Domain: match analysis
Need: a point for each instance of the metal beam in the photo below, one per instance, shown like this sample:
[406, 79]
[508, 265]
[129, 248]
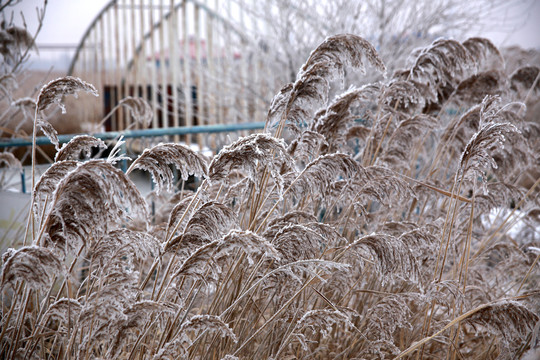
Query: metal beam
[181, 130]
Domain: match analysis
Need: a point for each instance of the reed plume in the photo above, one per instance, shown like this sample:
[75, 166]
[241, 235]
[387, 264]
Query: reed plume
[157, 159]
[36, 266]
[10, 160]
[393, 221]
[80, 143]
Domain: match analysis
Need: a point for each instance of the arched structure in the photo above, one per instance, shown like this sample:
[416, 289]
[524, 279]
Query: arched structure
[188, 58]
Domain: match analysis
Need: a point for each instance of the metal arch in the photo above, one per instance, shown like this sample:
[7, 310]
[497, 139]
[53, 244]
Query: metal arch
[155, 26]
[158, 24]
[217, 95]
[87, 33]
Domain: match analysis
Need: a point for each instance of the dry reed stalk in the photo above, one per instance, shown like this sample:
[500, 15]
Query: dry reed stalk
[50, 94]
[289, 247]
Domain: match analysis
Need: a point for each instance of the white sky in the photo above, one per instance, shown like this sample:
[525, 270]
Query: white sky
[527, 35]
[67, 20]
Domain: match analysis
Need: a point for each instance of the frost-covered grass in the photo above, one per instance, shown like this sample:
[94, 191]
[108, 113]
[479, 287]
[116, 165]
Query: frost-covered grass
[321, 238]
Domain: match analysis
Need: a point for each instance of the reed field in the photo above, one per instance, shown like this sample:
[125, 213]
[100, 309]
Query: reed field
[392, 220]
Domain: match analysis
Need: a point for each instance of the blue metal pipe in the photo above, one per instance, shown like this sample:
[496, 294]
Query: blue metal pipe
[182, 130]
[23, 181]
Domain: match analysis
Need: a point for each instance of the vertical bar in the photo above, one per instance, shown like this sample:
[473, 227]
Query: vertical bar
[212, 111]
[123, 64]
[23, 181]
[111, 69]
[117, 74]
[187, 71]
[243, 69]
[256, 67]
[226, 58]
[219, 88]
[173, 63]
[198, 80]
[103, 73]
[134, 83]
[142, 55]
[84, 72]
[96, 74]
[210, 106]
[162, 65]
[123, 162]
[153, 70]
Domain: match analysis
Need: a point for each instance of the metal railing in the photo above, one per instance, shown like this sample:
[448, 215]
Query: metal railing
[130, 134]
[190, 59]
[110, 135]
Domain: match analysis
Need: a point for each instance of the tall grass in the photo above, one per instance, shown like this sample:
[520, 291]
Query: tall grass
[391, 221]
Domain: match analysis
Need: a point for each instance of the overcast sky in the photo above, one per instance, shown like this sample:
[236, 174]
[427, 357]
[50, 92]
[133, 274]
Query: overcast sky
[66, 21]
[526, 35]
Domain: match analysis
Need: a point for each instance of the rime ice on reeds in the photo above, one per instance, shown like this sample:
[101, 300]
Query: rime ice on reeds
[80, 143]
[207, 224]
[140, 110]
[9, 160]
[12, 39]
[36, 266]
[157, 160]
[207, 261]
[318, 175]
[250, 154]
[296, 103]
[333, 121]
[90, 200]
[53, 93]
[290, 247]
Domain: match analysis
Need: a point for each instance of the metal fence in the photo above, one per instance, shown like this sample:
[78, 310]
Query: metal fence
[189, 59]
[9, 175]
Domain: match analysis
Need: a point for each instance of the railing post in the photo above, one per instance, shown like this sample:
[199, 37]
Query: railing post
[123, 163]
[23, 181]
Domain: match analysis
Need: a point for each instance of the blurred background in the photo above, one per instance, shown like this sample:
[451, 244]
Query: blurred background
[211, 62]
[219, 62]
[506, 23]
[232, 56]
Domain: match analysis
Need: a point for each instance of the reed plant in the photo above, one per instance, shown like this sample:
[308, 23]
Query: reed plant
[394, 220]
